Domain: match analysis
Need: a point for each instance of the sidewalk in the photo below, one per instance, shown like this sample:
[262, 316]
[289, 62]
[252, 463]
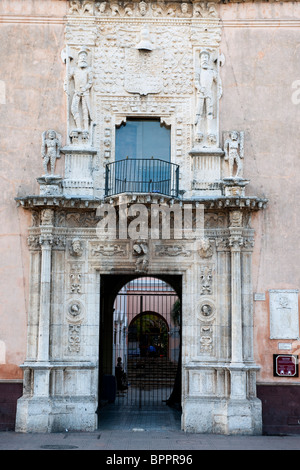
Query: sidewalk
[155, 441]
[132, 429]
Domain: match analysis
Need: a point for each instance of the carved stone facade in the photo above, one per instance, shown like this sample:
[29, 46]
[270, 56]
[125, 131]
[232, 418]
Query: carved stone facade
[142, 60]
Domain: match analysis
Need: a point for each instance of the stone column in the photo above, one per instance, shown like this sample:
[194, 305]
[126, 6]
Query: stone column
[41, 374]
[44, 315]
[238, 375]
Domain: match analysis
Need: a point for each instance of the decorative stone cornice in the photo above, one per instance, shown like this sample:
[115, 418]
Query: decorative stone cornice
[251, 203]
[144, 9]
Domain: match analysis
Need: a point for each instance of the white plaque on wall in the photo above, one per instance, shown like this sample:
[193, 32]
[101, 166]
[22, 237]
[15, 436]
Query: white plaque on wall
[284, 317]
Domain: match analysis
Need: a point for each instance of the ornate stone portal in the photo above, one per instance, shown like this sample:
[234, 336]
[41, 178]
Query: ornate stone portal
[140, 60]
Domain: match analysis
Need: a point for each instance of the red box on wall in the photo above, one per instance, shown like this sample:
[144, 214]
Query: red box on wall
[285, 365]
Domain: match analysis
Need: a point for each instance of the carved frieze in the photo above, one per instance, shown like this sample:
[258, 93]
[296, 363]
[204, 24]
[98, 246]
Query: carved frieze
[206, 338]
[172, 250]
[130, 9]
[118, 249]
[74, 318]
[81, 219]
[206, 280]
[33, 242]
[81, 8]
[206, 319]
[75, 278]
[59, 242]
[74, 338]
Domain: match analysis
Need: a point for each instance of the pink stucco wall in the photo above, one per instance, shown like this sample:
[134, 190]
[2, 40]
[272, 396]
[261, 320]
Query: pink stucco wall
[262, 63]
[32, 100]
[261, 47]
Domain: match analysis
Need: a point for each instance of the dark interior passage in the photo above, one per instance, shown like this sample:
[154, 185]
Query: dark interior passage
[140, 343]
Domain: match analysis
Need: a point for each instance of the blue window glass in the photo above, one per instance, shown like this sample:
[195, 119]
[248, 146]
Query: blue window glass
[143, 139]
[147, 146]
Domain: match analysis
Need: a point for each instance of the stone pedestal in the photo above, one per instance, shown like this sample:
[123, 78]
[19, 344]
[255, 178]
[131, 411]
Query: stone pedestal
[50, 185]
[220, 405]
[50, 404]
[235, 186]
[79, 166]
[206, 166]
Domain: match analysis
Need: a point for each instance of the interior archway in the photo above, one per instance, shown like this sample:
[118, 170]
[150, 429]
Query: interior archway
[148, 335]
[140, 324]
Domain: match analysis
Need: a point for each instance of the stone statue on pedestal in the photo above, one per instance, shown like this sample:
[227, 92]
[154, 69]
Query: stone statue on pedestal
[83, 82]
[234, 153]
[209, 91]
[51, 145]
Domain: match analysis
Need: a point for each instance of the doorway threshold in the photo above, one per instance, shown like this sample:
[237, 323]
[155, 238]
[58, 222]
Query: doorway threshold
[133, 418]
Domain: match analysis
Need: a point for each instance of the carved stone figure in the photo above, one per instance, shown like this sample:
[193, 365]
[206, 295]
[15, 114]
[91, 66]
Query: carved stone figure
[47, 216]
[51, 145]
[75, 309]
[76, 248]
[234, 153]
[143, 8]
[145, 43]
[206, 310]
[140, 250]
[83, 82]
[101, 7]
[205, 80]
[205, 250]
[184, 9]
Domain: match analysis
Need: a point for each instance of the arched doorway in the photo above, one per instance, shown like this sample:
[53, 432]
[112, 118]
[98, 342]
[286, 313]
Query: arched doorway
[148, 335]
[140, 323]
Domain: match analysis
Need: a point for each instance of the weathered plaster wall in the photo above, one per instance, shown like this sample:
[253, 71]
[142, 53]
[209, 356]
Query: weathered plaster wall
[32, 100]
[261, 46]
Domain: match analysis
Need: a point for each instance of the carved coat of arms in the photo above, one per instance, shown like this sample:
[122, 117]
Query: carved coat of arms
[143, 71]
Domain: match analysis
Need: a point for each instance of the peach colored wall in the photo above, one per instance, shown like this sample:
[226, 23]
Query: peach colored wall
[32, 37]
[261, 46]
[262, 61]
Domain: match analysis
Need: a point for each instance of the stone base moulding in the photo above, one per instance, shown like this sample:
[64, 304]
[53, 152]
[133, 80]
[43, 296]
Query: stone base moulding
[223, 416]
[221, 399]
[57, 397]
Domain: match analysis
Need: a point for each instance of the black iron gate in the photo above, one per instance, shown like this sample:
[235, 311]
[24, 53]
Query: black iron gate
[146, 342]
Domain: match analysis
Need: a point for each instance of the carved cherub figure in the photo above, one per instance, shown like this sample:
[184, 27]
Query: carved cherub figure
[101, 7]
[184, 10]
[143, 8]
[234, 153]
[51, 145]
[145, 40]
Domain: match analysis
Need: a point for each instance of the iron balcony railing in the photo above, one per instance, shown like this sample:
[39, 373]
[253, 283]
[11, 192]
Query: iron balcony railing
[141, 175]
